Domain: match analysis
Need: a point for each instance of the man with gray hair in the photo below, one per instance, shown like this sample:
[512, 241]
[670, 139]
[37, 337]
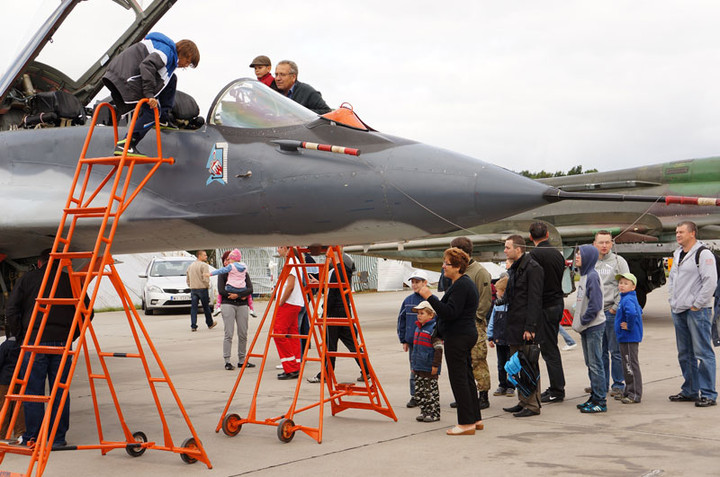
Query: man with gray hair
[691, 283]
[286, 73]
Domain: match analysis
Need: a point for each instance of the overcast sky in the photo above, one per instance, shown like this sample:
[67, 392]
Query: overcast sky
[525, 84]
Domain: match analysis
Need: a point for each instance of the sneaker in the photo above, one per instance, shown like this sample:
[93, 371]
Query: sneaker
[679, 397]
[253, 314]
[548, 398]
[592, 408]
[290, 375]
[214, 324]
[616, 391]
[314, 379]
[431, 418]
[279, 366]
[705, 402]
[168, 124]
[510, 392]
[248, 365]
[420, 418]
[500, 391]
[583, 404]
[131, 152]
[627, 400]
[411, 403]
[229, 366]
[217, 312]
[569, 347]
[193, 329]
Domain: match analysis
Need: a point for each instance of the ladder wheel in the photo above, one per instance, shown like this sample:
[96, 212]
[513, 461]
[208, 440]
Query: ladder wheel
[191, 444]
[231, 425]
[284, 430]
[135, 451]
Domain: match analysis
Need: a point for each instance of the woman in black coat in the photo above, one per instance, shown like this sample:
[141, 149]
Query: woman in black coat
[456, 325]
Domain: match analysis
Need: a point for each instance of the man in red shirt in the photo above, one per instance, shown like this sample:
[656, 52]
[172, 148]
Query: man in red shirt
[263, 66]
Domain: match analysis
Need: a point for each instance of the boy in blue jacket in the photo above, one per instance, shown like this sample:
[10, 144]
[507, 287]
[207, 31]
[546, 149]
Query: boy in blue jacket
[406, 324]
[425, 360]
[589, 321]
[629, 331]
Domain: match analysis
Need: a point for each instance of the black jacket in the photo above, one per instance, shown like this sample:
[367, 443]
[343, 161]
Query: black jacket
[524, 298]
[309, 97]
[22, 300]
[456, 310]
[553, 265]
[222, 281]
[9, 352]
[335, 304]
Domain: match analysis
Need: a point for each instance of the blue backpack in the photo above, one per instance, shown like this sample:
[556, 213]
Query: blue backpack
[523, 371]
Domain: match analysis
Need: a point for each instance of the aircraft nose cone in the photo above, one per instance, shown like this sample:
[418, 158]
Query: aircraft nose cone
[452, 191]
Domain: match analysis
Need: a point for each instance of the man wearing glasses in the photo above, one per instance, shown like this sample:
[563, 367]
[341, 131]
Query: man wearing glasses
[302, 93]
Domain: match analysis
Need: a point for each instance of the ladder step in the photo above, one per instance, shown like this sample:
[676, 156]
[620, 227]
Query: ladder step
[85, 210]
[27, 398]
[115, 160]
[72, 255]
[58, 301]
[7, 447]
[47, 349]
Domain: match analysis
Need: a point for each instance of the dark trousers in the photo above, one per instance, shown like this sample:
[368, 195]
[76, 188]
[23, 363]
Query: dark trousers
[303, 328]
[146, 120]
[340, 333]
[503, 354]
[200, 294]
[458, 350]
[45, 369]
[548, 340]
[631, 371]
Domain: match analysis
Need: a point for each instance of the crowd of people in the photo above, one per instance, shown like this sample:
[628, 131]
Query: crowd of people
[522, 314]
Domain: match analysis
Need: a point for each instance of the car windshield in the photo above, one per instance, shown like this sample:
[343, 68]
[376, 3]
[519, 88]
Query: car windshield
[247, 103]
[175, 268]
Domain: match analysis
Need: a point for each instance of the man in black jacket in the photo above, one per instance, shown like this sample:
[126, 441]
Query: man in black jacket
[524, 298]
[553, 265]
[57, 329]
[286, 73]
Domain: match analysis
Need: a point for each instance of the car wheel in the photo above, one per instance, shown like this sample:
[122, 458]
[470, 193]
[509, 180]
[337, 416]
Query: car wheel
[146, 309]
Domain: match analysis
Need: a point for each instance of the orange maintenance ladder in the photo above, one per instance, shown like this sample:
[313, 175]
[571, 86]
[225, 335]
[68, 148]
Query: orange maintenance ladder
[367, 395]
[91, 203]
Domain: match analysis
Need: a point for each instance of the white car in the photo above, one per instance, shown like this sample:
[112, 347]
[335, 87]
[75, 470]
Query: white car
[165, 287]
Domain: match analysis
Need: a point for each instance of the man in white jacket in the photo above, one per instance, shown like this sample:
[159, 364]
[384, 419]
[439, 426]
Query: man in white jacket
[692, 281]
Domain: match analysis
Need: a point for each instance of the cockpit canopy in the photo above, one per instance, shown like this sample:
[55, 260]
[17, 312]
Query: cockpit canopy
[247, 103]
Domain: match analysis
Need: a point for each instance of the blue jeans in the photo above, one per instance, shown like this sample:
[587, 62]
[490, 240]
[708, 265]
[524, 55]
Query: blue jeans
[566, 336]
[592, 351]
[45, 366]
[612, 367]
[412, 375]
[695, 352]
[202, 295]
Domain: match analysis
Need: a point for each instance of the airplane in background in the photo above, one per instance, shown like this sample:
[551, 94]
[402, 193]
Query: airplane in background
[644, 233]
[261, 171]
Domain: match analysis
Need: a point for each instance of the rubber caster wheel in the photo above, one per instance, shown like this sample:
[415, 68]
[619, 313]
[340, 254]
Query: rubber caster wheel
[135, 451]
[191, 444]
[231, 425]
[284, 430]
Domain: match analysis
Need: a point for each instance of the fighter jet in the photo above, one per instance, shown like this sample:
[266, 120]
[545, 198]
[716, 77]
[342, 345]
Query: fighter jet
[261, 171]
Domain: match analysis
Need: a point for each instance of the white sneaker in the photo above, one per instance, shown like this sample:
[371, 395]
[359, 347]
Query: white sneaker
[279, 366]
[569, 347]
[253, 314]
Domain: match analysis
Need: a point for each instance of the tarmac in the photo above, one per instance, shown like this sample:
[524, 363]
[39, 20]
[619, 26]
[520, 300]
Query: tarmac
[653, 438]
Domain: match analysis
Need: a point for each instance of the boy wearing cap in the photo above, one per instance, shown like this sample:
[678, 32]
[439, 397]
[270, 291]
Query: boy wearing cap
[629, 331]
[406, 324]
[263, 66]
[425, 359]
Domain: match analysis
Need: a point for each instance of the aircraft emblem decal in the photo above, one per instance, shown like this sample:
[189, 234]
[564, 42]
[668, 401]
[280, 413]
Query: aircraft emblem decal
[217, 163]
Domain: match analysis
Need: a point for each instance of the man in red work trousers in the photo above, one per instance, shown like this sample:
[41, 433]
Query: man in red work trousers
[290, 301]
